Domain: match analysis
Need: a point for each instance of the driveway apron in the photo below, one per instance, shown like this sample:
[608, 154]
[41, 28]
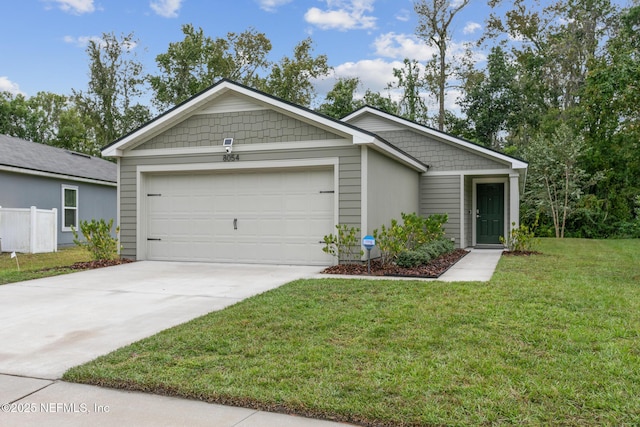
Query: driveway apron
[50, 325]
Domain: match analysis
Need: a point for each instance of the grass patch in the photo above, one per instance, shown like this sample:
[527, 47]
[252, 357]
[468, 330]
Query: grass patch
[552, 339]
[32, 265]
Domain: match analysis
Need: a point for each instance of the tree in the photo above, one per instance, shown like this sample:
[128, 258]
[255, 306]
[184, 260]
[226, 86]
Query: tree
[340, 100]
[491, 99]
[196, 62]
[411, 82]
[116, 80]
[13, 114]
[45, 118]
[381, 102]
[557, 44]
[611, 122]
[435, 17]
[291, 78]
[556, 180]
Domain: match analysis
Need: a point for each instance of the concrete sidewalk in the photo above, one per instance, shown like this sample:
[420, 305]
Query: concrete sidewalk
[36, 402]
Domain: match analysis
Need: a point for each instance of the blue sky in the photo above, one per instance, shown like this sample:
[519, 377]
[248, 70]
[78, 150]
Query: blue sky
[44, 41]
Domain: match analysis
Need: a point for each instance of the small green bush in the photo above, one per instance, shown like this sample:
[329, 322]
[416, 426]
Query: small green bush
[414, 258]
[391, 241]
[342, 244]
[414, 232]
[520, 239]
[425, 253]
[98, 239]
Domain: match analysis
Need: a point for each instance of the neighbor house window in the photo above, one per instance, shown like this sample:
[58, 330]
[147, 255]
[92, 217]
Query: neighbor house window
[69, 207]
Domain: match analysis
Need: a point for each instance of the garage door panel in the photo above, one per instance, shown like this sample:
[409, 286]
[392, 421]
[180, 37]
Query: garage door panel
[281, 216]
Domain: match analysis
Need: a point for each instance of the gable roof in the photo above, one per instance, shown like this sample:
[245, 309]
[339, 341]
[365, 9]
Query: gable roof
[22, 156]
[438, 135]
[204, 99]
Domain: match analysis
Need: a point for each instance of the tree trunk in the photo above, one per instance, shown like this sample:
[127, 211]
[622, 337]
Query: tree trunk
[554, 213]
[442, 83]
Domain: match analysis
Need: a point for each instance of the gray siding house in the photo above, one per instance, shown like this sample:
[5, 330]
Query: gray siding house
[236, 175]
[80, 187]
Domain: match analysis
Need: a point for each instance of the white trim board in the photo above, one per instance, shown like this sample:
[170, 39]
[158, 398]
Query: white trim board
[469, 172]
[63, 207]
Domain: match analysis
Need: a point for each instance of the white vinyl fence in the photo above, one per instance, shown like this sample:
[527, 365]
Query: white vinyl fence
[28, 230]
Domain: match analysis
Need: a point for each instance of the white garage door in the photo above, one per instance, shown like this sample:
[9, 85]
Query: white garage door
[243, 217]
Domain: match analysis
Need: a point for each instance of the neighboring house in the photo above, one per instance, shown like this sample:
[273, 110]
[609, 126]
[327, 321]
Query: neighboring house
[79, 186]
[291, 176]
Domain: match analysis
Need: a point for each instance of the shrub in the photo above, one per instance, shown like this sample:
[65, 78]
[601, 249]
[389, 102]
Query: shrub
[342, 245]
[391, 241]
[98, 239]
[521, 239]
[414, 258]
[412, 234]
[425, 253]
[419, 230]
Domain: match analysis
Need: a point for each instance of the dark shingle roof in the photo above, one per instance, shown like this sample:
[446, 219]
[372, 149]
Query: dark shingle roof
[29, 155]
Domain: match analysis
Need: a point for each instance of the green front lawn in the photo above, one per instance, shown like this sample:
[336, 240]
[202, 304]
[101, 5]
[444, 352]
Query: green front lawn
[553, 339]
[35, 266]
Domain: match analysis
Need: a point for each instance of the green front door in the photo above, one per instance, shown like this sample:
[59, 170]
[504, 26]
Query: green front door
[490, 213]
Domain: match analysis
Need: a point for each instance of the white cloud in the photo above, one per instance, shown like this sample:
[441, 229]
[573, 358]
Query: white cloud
[374, 74]
[403, 15]
[7, 85]
[342, 15]
[82, 41]
[400, 46]
[272, 5]
[166, 8]
[471, 28]
[77, 7]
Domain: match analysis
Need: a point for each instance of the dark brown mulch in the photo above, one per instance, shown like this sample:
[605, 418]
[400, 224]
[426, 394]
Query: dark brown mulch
[521, 253]
[432, 270]
[88, 265]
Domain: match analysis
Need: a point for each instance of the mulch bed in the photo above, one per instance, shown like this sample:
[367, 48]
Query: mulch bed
[99, 264]
[433, 270]
[90, 265]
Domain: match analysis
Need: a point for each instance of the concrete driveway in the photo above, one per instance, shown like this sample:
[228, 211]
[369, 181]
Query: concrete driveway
[50, 325]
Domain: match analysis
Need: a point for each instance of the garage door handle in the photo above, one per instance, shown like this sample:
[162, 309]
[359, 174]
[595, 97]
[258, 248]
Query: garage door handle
[235, 223]
[155, 240]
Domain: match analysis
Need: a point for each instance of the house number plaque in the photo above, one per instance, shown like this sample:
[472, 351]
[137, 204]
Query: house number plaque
[231, 158]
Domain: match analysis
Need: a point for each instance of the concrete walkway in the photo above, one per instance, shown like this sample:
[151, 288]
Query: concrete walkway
[29, 399]
[477, 266]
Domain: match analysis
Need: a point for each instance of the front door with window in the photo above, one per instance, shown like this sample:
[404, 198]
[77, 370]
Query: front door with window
[490, 213]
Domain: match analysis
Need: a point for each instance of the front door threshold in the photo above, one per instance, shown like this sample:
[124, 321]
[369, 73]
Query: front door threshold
[488, 246]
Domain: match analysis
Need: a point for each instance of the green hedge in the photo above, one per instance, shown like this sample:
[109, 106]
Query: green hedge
[425, 253]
